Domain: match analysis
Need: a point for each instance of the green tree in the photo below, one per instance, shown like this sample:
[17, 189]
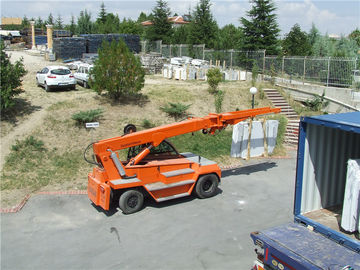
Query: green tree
[261, 30]
[84, 23]
[229, 37]
[180, 34]
[25, 23]
[50, 19]
[203, 27]
[117, 71]
[111, 24]
[355, 35]
[10, 79]
[128, 26]
[59, 22]
[72, 26]
[296, 42]
[39, 23]
[161, 28]
[102, 13]
[142, 17]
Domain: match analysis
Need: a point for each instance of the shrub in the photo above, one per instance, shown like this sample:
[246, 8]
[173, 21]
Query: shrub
[175, 110]
[219, 97]
[254, 74]
[10, 79]
[83, 117]
[147, 124]
[317, 103]
[214, 77]
[117, 71]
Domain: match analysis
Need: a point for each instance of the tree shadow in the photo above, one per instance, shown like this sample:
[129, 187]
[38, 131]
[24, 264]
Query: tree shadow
[21, 108]
[137, 99]
[249, 169]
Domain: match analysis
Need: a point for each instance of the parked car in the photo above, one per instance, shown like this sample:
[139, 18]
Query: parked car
[82, 74]
[55, 77]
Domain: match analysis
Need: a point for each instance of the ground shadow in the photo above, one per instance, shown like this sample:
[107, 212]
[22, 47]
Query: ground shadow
[21, 108]
[137, 99]
[150, 202]
[264, 166]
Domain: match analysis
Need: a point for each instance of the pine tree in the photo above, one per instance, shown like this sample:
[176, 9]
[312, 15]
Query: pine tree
[262, 30]
[84, 23]
[355, 35]
[59, 22]
[117, 71]
[25, 23]
[72, 27]
[102, 14]
[203, 27]
[161, 28]
[39, 23]
[50, 19]
[296, 42]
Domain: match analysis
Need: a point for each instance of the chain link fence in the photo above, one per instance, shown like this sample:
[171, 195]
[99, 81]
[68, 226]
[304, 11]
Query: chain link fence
[328, 71]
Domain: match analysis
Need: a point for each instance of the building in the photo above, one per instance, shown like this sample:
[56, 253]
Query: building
[10, 21]
[176, 21]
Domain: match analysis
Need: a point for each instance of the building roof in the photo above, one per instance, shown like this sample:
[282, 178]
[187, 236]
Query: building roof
[174, 20]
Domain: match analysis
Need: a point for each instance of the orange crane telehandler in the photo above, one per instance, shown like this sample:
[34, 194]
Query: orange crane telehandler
[153, 166]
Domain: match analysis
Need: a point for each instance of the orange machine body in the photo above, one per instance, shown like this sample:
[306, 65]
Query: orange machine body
[155, 166]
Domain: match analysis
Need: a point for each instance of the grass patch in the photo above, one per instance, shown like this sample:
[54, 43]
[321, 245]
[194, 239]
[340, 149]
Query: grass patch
[279, 149]
[31, 165]
[209, 146]
[83, 117]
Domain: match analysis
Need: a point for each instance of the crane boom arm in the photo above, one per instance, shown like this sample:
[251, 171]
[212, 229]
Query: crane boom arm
[155, 136]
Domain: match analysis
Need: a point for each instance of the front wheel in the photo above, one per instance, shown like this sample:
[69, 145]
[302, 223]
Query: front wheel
[47, 88]
[206, 186]
[131, 201]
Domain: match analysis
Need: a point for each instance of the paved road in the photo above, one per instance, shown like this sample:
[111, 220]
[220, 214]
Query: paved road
[67, 232]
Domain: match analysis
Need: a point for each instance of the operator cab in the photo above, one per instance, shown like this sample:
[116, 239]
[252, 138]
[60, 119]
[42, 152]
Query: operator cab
[164, 150]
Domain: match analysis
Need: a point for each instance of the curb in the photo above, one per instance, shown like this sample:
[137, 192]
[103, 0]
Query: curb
[17, 208]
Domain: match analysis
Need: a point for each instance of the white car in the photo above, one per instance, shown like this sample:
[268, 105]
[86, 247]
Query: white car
[55, 77]
[82, 74]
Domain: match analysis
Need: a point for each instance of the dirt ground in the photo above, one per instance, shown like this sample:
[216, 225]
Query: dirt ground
[47, 115]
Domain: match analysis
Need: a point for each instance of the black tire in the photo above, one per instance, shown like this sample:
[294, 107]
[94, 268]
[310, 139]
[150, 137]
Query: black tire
[37, 82]
[73, 87]
[129, 128]
[206, 186]
[131, 201]
[85, 84]
[47, 88]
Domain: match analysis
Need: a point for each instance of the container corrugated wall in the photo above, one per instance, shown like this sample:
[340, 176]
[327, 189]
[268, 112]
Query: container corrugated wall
[326, 153]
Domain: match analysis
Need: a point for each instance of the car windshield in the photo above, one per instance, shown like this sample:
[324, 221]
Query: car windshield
[61, 71]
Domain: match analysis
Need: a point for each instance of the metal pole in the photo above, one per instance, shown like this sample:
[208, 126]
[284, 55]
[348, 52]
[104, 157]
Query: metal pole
[253, 102]
[203, 52]
[282, 67]
[328, 73]
[263, 67]
[231, 58]
[304, 70]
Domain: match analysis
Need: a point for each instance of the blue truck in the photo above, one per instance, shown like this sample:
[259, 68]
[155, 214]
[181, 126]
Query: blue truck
[315, 240]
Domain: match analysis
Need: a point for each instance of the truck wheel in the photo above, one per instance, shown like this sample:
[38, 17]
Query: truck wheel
[206, 186]
[86, 84]
[131, 201]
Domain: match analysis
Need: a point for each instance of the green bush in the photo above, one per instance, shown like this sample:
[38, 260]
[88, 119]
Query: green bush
[175, 110]
[10, 79]
[83, 117]
[219, 98]
[317, 103]
[214, 77]
[147, 124]
[117, 71]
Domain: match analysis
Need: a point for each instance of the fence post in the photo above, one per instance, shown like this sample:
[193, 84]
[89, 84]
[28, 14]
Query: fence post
[170, 50]
[231, 57]
[180, 50]
[263, 73]
[328, 73]
[304, 70]
[161, 47]
[282, 67]
[203, 52]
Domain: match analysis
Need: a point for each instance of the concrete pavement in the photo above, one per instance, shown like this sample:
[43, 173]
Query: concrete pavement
[68, 232]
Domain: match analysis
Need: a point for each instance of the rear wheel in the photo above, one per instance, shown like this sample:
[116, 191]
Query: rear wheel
[47, 88]
[206, 186]
[86, 84]
[131, 201]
